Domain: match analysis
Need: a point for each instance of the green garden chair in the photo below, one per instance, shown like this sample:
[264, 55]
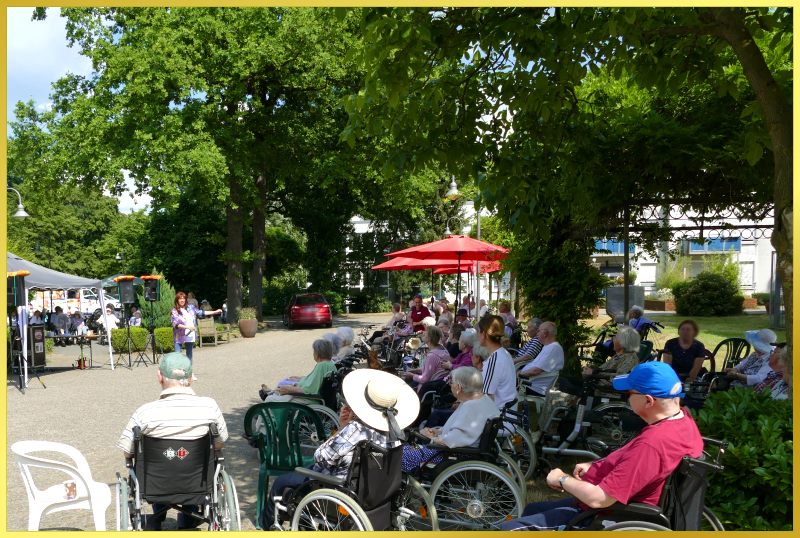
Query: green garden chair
[285, 434]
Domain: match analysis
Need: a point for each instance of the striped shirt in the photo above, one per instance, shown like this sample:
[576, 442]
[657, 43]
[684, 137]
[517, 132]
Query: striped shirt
[532, 348]
[178, 414]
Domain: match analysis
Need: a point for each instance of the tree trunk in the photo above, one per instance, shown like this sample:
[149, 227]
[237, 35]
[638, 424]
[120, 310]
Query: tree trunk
[233, 249]
[778, 115]
[259, 248]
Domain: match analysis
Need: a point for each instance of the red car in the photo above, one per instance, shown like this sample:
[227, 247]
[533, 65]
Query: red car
[307, 309]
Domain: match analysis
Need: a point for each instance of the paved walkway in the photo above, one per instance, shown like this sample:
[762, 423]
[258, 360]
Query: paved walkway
[88, 409]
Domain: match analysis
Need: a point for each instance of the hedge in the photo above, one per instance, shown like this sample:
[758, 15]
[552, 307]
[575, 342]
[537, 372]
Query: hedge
[119, 339]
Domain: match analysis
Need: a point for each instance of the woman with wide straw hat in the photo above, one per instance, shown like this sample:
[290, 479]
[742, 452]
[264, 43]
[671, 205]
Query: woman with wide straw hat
[378, 407]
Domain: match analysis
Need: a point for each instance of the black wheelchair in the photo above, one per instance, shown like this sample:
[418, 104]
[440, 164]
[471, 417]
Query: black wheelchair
[474, 488]
[680, 508]
[373, 496]
[177, 474]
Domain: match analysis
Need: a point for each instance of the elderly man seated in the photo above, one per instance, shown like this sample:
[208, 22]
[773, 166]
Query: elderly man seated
[548, 362]
[378, 407]
[534, 346]
[178, 413]
[635, 472]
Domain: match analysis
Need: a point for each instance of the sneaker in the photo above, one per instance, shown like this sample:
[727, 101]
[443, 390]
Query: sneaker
[264, 392]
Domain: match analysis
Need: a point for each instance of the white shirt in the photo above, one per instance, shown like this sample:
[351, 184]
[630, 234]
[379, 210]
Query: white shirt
[109, 321]
[178, 414]
[465, 425]
[549, 359]
[500, 377]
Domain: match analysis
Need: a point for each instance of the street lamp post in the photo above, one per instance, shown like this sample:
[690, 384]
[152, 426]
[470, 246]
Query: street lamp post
[453, 193]
[20, 213]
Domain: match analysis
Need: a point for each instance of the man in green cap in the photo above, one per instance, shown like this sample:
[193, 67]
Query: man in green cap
[178, 413]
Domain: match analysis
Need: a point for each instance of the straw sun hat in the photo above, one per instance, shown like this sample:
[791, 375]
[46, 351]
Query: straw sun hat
[379, 398]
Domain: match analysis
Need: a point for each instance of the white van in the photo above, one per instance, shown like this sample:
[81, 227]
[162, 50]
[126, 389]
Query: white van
[84, 300]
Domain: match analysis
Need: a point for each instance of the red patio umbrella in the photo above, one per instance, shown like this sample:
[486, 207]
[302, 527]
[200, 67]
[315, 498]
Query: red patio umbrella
[456, 247]
[412, 264]
[489, 267]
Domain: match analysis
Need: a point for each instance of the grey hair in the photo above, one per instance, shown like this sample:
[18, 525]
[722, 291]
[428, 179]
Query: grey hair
[638, 309]
[468, 337]
[480, 351]
[470, 379]
[323, 348]
[335, 341]
[346, 334]
[443, 321]
[535, 321]
[629, 339]
[549, 327]
[434, 334]
[397, 307]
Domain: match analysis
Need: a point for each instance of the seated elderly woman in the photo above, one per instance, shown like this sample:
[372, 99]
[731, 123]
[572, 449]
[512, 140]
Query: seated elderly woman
[439, 415]
[335, 341]
[346, 335]
[775, 381]
[465, 425]
[626, 348]
[452, 343]
[444, 396]
[397, 317]
[294, 387]
[755, 367]
[444, 326]
[433, 370]
[362, 418]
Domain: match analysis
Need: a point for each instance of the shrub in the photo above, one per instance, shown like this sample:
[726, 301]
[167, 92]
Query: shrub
[276, 295]
[723, 265]
[119, 339]
[708, 294]
[165, 341]
[49, 344]
[336, 300]
[762, 298]
[754, 492]
[247, 313]
[161, 310]
[363, 301]
[673, 272]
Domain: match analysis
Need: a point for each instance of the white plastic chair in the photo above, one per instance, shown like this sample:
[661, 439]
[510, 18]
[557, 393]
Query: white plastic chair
[91, 495]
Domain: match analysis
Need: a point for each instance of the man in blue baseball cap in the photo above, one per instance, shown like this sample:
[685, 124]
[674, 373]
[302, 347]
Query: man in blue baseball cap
[635, 472]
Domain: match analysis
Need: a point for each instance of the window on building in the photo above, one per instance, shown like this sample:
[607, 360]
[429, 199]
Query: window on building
[612, 247]
[720, 244]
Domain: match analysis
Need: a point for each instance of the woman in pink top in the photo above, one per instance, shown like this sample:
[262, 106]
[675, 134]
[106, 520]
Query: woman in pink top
[433, 369]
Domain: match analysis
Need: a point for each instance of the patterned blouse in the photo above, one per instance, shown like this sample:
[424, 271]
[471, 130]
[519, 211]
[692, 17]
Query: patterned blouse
[187, 316]
[778, 387]
[334, 456]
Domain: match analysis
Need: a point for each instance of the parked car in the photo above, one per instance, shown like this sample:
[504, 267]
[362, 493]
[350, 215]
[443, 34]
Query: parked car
[307, 309]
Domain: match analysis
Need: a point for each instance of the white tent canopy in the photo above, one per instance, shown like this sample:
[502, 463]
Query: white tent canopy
[42, 278]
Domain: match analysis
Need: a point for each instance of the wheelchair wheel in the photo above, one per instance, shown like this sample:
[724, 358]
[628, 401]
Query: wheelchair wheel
[329, 510]
[123, 505]
[635, 526]
[226, 514]
[413, 510]
[330, 420]
[309, 438]
[614, 425]
[475, 495]
[520, 447]
[710, 521]
[510, 465]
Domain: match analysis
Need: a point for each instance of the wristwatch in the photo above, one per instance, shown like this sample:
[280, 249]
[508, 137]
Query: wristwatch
[562, 480]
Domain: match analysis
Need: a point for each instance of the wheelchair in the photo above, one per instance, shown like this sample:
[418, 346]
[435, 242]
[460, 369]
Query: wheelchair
[177, 474]
[474, 488]
[585, 430]
[680, 508]
[374, 495]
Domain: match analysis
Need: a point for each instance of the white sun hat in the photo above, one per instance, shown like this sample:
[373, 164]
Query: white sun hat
[378, 398]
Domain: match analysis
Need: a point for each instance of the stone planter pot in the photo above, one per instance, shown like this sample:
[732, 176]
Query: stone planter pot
[248, 327]
[749, 303]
